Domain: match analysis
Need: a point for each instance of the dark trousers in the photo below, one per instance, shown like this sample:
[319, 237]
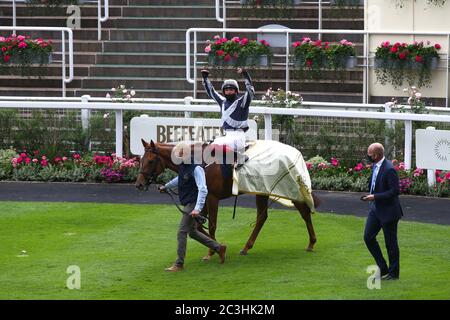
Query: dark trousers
[188, 226]
[373, 227]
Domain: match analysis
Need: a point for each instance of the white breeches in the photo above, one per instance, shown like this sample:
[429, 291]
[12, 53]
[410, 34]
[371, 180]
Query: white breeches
[233, 139]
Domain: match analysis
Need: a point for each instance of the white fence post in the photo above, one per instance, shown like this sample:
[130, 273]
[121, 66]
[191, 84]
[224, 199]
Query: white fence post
[85, 113]
[408, 144]
[119, 133]
[267, 127]
[390, 125]
[431, 173]
[188, 102]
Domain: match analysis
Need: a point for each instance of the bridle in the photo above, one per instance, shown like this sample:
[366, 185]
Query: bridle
[152, 175]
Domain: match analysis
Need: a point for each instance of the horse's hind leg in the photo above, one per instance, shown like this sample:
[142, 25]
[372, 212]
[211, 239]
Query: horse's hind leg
[306, 215]
[261, 217]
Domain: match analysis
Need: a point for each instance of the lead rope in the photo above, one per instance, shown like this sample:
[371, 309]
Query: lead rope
[200, 218]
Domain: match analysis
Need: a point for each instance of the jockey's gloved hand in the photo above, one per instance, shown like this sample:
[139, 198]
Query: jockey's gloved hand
[205, 73]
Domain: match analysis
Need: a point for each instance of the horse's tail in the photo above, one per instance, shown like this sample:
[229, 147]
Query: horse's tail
[316, 200]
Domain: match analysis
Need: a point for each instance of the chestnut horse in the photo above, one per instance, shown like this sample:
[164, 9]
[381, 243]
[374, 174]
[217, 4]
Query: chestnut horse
[157, 158]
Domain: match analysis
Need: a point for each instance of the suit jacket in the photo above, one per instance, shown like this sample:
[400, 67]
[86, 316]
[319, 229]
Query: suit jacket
[387, 206]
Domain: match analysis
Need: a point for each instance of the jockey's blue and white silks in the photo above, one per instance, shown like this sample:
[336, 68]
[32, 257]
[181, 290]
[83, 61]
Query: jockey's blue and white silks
[234, 113]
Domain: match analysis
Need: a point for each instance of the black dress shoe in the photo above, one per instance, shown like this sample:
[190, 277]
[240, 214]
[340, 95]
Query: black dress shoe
[389, 277]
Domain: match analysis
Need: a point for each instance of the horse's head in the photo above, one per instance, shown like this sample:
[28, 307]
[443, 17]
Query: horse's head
[151, 166]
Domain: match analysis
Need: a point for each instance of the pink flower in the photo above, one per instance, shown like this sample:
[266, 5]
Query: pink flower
[2, 39]
[394, 49]
[309, 165]
[44, 158]
[6, 58]
[20, 38]
[359, 167]
[216, 37]
[296, 44]
[419, 58]
[265, 43]
[402, 55]
[22, 45]
[440, 180]
[447, 176]
[27, 160]
[220, 53]
[57, 159]
[208, 49]
[227, 57]
[437, 46]
[418, 172]
[386, 44]
[23, 155]
[35, 160]
[244, 41]
[236, 39]
[44, 163]
[334, 162]
[4, 49]
[64, 158]
[322, 166]
[76, 156]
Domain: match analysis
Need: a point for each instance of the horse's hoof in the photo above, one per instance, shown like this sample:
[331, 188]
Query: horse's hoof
[309, 249]
[206, 258]
[243, 252]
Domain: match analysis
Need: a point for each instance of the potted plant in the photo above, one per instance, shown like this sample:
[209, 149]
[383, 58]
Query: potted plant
[309, 55]
[255, 53]
[223, 51]
[341, 55]
[23, 51]
[399, 62]
[238, 52]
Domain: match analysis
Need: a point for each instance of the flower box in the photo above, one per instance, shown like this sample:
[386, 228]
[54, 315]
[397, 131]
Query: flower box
[392, 59]
[36, 59]
[260, 61]
[238, 52]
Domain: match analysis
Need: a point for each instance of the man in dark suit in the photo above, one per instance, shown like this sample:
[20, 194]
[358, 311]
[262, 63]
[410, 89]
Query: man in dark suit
[384, 212]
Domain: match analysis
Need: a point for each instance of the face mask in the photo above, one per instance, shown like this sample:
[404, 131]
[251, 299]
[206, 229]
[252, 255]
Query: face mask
[230, 97]
[370, 159]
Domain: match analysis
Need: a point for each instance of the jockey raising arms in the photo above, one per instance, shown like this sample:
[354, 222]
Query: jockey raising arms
[234, 110]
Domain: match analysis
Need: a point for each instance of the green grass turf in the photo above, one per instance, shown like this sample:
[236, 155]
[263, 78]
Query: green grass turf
[122, 251]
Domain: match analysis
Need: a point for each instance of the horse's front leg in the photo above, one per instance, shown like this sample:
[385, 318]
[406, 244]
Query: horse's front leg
[212, 204]
[261, 217]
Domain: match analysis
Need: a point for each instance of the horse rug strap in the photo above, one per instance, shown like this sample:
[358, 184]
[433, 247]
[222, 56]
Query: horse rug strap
[276, 170]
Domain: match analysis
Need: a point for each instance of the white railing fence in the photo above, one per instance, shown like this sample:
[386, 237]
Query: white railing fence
[63, 30]
[223, 4]
[367, 57]
[101, 18]
[187, 106]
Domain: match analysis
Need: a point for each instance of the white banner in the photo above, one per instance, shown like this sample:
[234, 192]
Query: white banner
[433, 149]
[172, 130]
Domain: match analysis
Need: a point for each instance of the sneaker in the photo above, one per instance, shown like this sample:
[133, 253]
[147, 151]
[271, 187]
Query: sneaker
[174, 268]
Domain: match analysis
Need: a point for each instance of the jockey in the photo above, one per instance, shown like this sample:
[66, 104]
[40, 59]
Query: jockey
[234, 110]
